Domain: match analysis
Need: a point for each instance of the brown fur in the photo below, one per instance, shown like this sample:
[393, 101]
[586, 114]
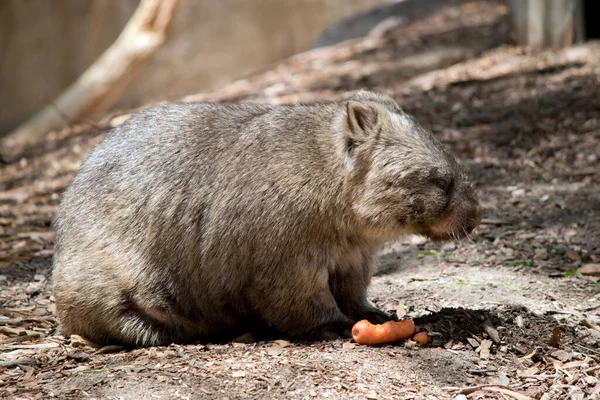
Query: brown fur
[192, 220]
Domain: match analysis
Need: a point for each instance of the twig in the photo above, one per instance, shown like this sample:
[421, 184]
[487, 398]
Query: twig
[16, 363]
[592, 369]
[590, 308]
[490, 221]
[541, 377]
[588, 349]
[499, 388]
[18, 321]
[483, 371]
[590, 325]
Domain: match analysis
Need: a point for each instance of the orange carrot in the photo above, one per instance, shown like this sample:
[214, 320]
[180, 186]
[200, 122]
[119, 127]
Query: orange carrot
[422, 338]
[364, 332]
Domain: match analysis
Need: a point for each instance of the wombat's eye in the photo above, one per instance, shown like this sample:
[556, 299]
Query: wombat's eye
[444, 184]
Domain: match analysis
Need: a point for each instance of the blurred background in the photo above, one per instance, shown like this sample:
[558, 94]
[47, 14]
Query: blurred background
[46, 45]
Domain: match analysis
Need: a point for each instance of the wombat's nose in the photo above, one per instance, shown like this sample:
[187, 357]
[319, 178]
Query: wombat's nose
[474, 217]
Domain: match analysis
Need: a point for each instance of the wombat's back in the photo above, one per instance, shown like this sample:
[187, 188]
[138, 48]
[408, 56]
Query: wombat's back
[173, 202]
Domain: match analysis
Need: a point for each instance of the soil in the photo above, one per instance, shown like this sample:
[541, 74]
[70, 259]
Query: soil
[513, 312]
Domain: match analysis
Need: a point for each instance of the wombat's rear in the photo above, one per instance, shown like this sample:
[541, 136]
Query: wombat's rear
[197, 221]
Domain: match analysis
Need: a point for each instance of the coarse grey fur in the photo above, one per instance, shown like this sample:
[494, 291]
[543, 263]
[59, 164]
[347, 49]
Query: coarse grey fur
[193, 222]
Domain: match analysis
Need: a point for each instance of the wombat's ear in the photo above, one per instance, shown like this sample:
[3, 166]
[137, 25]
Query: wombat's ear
[363, 119]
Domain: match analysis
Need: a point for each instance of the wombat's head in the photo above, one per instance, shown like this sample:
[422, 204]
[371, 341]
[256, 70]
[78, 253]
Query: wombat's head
[401, 178]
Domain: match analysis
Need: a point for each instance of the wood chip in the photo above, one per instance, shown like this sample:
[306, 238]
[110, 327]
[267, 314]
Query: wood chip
[473, 342]
[484, 349]
[490, 330]
[401, 311]
[493, 388]
[48, 345]
[508, 392]
[78, 341]
[519, 321]
[590, 269]
[562, 355]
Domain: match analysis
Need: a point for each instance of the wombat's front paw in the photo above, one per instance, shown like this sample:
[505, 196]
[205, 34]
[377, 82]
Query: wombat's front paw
[332, 331]
[376, 316]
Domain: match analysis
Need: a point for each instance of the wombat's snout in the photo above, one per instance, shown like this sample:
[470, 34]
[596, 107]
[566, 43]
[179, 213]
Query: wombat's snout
[459, 223]
[473, 217]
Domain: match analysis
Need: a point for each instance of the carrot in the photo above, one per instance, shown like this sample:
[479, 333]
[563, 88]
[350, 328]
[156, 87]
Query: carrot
[422, 338]
[364, 332]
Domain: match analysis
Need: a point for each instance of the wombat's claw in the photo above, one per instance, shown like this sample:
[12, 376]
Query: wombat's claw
[331, 331]
[376, 316]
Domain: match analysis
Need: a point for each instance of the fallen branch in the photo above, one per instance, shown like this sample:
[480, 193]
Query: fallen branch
[491, 388]
[106, 79]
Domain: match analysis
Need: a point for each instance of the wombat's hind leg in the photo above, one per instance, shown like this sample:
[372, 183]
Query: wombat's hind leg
[149, 325]
[312, 316]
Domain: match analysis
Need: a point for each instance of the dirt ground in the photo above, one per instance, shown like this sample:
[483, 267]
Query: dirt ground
[513, 312]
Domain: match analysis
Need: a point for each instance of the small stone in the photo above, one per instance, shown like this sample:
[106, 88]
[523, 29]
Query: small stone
[274, 350]
[500, 379]
[508, 252]
[40, 312]
[560, 204]
[238, 374]
[518, 193]
[540, 254]
[119, 120]
[348, 346]
[450, 246]
[78, 355]
[562, 355]
[417, 240]
[590, 269]
[544, 198]
[78, 341]
[572, 255]
[566, 267]
[569, 233]
[282, 343]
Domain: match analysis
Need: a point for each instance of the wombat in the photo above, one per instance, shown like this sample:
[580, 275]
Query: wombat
[191, 222]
